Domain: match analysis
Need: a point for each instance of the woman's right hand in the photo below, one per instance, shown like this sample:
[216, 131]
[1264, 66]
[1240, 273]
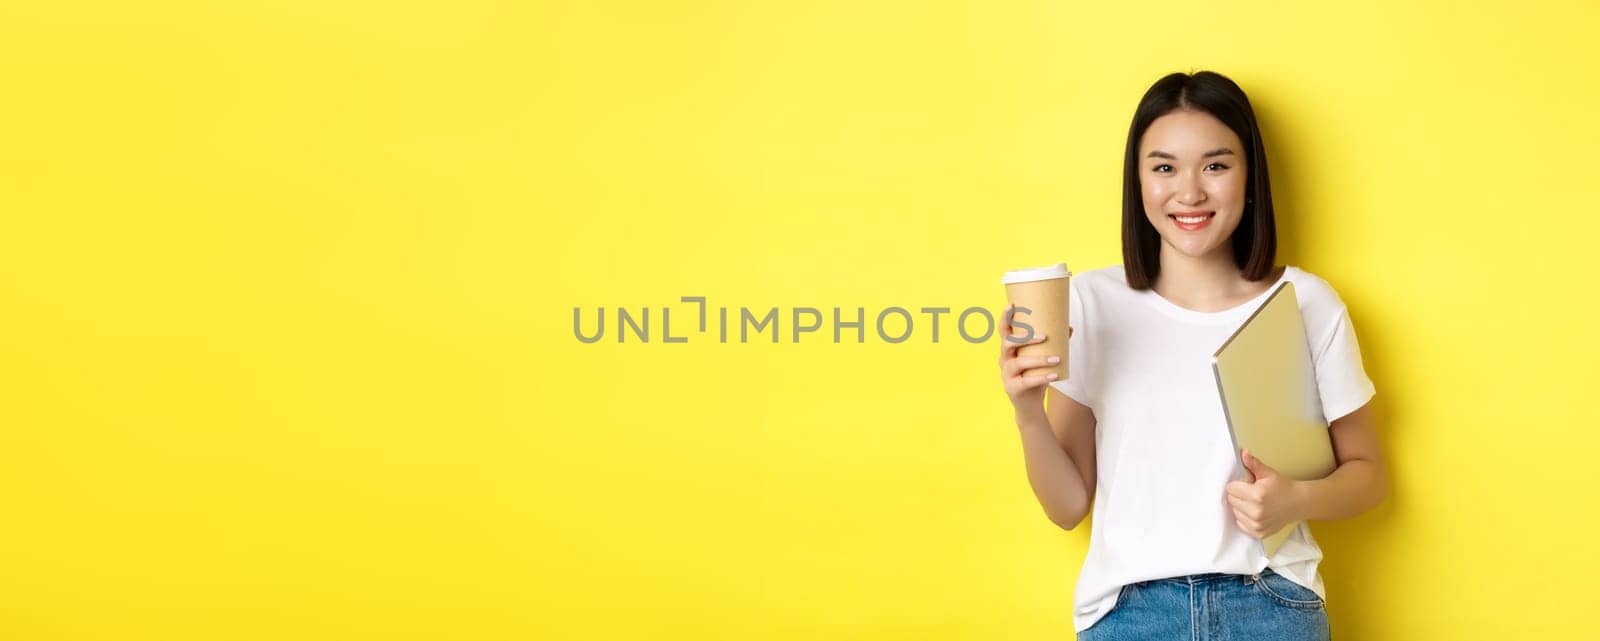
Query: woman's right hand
[1026, 392]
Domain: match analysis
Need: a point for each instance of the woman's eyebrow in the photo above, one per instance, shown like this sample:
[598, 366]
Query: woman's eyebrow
[1220, 151]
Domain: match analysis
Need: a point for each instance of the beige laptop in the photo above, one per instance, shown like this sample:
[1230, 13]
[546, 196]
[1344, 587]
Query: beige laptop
[1269, 396]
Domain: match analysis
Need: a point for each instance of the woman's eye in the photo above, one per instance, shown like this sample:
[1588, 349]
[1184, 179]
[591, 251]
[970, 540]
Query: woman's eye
[1163, 168]
[1217, 166]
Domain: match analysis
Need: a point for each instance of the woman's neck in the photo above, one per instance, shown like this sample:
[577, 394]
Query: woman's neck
[1205, 284]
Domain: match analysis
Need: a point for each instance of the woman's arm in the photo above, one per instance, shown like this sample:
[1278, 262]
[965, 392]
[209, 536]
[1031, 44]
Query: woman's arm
[1063, 491]
[1360, 482]
[1058, 448]
[1052, 473]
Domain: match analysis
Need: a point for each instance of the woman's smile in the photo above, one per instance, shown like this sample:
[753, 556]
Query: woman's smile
[1192, 220]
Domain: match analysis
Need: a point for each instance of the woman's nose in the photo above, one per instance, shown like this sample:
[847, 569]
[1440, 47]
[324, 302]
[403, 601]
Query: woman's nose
[1190, 192]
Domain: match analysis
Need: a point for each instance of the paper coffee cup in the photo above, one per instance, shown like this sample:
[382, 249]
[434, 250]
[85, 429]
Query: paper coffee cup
[1044, 292]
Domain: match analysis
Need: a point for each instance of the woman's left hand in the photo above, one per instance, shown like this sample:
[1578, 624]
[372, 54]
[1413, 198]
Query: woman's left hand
[1266, 503]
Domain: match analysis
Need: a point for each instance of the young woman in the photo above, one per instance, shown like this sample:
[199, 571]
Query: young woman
[1138, 426]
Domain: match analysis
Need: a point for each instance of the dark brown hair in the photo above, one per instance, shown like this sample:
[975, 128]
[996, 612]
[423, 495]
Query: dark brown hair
[1255, 241]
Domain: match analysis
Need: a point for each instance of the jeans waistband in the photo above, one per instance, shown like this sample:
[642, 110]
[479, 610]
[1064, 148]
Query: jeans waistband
[1211, 577]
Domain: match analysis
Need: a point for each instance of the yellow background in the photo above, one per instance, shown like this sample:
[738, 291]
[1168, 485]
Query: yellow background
[288, 287]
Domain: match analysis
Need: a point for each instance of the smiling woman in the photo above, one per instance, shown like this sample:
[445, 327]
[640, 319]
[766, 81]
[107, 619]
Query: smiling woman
[1173, 552]
[1194, 150]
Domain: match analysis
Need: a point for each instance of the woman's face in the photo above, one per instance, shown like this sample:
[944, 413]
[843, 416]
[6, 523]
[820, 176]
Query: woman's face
[1192, 166]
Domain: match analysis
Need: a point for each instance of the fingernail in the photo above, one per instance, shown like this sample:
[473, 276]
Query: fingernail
[1055, 359]
[1050, 375]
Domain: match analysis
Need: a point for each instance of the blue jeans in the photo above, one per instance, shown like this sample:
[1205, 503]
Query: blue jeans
[1214, 607]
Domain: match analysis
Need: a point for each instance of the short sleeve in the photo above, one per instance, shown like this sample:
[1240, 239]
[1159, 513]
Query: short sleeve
[1077, 386]
[1341, 379]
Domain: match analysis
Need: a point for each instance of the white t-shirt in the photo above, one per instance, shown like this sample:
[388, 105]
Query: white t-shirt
[1163, 454]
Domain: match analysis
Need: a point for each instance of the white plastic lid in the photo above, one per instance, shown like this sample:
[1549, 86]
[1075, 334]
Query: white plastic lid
[1058, 270]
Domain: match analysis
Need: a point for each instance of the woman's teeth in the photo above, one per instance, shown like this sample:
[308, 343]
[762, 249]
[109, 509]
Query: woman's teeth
[1194, 223]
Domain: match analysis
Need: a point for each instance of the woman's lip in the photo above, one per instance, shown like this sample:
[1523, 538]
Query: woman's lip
[1210, 215]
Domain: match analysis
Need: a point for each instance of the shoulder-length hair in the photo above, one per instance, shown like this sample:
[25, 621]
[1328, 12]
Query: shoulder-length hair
[1255, 241]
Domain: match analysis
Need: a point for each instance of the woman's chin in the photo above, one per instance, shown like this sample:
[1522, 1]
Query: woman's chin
[1192, 249]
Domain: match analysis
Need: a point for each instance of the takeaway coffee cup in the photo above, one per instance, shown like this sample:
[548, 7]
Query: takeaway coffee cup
[1041, 296]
